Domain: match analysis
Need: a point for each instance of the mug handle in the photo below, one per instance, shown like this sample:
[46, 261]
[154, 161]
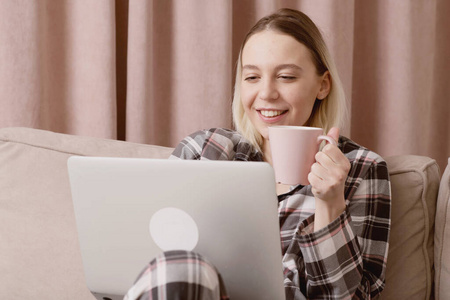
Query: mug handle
[326, 138]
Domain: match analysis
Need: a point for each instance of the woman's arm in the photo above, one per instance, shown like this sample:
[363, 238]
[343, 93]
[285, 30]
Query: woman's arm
[215, 144]
[347, 258]
[327, 177]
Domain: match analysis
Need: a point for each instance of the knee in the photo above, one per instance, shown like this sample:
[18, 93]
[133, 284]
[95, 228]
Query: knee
[178, 274]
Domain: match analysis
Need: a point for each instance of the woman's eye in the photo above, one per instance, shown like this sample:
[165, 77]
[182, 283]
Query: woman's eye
[287, 77]
[251, 78]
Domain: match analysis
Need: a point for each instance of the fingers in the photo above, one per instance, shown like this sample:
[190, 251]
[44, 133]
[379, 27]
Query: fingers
[332, 159]
[324, 180]
[319, 171]
[329, 172]
[331, 155]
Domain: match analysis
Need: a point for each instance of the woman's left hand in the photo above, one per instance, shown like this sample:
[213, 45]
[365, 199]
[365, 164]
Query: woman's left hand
[327, 178]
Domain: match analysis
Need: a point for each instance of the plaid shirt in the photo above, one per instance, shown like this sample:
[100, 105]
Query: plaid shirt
[347, 258]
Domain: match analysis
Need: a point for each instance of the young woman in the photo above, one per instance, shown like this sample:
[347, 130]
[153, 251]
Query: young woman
[335, 231]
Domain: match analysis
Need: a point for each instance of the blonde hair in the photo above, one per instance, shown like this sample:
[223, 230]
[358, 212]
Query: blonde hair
[328, 112]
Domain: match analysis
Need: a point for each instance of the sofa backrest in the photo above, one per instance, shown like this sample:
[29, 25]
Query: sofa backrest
[39, 251]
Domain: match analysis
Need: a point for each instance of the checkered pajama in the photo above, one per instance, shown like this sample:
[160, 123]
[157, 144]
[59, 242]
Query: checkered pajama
[344, 260]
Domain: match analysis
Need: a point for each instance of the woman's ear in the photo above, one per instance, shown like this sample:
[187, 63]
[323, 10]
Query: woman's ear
[325, 86]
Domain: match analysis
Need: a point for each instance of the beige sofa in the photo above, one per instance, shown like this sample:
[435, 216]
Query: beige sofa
[39, 255]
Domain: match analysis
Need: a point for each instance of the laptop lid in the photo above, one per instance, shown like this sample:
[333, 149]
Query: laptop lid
[127, 209]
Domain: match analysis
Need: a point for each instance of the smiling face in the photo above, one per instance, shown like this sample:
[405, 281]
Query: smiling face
[279, 81]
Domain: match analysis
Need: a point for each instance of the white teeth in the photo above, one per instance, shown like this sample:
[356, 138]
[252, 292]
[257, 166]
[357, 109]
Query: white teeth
[271, 113]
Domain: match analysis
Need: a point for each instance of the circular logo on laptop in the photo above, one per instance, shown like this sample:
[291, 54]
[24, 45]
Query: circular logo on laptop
[173, 229]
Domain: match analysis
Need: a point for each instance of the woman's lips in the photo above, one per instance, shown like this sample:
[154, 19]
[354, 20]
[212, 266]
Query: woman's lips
[271, 115]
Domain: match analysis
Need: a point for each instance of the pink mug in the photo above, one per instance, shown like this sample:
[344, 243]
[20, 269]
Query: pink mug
[293, 150]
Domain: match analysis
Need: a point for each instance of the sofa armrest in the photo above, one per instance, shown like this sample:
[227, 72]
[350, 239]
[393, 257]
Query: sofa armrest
[442, 239]
[414, 184]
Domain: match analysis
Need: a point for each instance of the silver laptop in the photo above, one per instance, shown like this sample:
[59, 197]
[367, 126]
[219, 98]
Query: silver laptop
[129, 210]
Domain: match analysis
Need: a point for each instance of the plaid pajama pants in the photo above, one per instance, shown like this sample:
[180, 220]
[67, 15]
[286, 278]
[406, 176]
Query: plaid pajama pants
[177, 275]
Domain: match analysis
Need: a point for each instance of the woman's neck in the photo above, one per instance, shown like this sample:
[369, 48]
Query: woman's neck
[266, 152]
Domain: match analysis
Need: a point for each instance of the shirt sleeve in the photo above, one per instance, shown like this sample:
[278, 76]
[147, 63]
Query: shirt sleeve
[347, 258]
[216, 144]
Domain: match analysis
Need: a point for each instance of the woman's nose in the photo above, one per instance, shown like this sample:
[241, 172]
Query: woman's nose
[268, 91]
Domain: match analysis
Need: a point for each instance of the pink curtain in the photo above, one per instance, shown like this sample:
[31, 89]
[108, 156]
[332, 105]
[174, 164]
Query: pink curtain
[154, 71]
[57, 66]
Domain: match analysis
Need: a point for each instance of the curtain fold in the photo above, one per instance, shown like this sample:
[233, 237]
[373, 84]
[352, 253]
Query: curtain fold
[179, 69]
[57, 69]
[154, 71]
[397, 92]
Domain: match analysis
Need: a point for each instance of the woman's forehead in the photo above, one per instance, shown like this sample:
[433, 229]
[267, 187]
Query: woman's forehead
[274, 48]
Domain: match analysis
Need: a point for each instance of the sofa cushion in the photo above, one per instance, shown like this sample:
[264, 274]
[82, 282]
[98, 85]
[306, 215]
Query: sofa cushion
[39, 251]
[414, 183]
[442, 238]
